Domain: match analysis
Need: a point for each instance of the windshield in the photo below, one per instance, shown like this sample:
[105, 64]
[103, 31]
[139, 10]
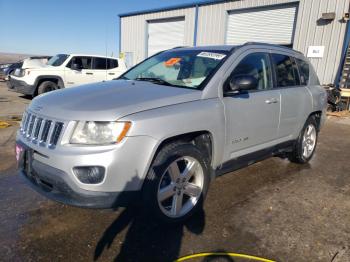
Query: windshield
[57, 60]
[181, 68]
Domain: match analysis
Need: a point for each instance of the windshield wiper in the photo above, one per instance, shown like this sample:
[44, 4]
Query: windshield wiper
[121, 77]
[155, 80]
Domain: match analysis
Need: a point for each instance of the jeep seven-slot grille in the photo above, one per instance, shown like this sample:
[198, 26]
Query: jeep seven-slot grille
[42, 131]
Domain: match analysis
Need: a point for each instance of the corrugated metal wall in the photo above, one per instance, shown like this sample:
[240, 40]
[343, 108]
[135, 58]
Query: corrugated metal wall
[134, 30]
[310, 32]
[212, 21]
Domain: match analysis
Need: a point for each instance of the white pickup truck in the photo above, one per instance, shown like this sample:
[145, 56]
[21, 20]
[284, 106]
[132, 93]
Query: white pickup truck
[65, 70]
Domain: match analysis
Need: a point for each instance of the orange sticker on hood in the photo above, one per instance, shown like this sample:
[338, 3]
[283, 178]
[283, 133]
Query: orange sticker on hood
[172, 61]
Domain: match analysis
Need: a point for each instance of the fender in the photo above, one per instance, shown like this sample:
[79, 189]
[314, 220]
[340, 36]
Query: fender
[59, 79]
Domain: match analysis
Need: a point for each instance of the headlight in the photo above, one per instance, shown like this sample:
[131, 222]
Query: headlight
[99, 133]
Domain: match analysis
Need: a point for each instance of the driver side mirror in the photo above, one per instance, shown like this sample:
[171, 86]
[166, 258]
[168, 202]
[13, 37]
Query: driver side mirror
[76, 66]
[241, 83]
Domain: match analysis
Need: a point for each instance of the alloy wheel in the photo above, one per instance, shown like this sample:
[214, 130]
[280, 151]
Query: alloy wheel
[180, 187]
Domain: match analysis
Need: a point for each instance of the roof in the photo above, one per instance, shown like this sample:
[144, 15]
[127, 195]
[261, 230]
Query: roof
[102, 56]
[207, 48]
[231, 47]
[173, 7]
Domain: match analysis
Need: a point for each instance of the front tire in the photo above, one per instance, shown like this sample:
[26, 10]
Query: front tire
[305, 145]
[46, 86]
[176, 183]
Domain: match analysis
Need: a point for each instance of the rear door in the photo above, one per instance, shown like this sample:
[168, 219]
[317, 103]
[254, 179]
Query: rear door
[113, 69]
[100, 66]
[295, 98]
[252, 117]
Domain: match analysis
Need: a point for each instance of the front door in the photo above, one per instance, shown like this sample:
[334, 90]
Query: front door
[252, 116]
[79, 74]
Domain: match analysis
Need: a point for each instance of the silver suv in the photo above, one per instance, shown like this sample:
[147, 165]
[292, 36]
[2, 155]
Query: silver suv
[162, 131]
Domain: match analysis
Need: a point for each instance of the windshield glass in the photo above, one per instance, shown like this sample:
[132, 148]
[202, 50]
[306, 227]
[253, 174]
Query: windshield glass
[181, 68]
[57, 60]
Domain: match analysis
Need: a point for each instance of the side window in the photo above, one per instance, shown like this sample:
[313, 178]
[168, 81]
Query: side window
[303, 71]
[112, 63]
[83, 62]
[256, 65]
[296, 72]
[286, 72]
[100, 63]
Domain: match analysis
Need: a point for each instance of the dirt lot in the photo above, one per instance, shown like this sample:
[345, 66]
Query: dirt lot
[273, 209]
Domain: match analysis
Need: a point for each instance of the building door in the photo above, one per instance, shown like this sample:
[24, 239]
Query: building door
[274, 25]
[165, 34]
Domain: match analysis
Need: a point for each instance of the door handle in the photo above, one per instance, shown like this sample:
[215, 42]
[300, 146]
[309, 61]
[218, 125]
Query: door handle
[111, 74]
[271, 101]
[88, 73]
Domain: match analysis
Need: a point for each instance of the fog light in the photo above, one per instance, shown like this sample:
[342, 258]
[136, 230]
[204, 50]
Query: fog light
[89, 174]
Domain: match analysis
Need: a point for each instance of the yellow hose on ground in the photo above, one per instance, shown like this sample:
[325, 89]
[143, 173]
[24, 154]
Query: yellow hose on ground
[223, 254]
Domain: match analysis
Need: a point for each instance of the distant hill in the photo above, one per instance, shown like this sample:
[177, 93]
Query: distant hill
[10, 58]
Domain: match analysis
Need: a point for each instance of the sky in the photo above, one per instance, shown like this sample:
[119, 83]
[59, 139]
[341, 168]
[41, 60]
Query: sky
[49, 27]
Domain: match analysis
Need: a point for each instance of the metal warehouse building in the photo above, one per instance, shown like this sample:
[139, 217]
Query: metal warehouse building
[318, 28]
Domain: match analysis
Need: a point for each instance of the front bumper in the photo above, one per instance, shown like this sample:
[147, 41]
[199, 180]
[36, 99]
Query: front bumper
[51, 172]
[56, 185]
[20, 86]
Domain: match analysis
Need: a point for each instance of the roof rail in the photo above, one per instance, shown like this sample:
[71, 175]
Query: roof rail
[176, 47]
[272, 45]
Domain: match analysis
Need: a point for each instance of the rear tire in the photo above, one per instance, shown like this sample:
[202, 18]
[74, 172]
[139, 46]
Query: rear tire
[305, 145]
[46, 86]
[176, 183]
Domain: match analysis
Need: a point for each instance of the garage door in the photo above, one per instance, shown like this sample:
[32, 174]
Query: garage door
[268, 25]
[165, 34]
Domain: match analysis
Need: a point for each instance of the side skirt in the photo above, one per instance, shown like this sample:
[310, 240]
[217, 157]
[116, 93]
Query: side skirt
[251, 158]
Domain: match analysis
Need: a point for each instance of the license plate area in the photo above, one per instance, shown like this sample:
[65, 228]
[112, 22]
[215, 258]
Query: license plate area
[24, 156]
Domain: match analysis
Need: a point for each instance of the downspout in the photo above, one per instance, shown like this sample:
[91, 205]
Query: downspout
[195, 25]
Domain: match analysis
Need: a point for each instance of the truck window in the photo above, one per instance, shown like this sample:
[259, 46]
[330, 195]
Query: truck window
[303, 71]
[100, 63]
[83, 61]
[286, 74]
[258, 66]
[112, 63]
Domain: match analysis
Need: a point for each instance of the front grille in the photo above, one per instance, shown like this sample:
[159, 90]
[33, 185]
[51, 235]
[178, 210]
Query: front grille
[40, 130]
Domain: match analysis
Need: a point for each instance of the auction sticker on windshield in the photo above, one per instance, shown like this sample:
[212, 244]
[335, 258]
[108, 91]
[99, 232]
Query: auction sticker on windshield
[172, 61]
[216, 56]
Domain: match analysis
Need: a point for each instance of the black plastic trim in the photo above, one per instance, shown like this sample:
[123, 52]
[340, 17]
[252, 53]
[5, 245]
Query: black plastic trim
[249, 159]
[59, 79]
[20, 86]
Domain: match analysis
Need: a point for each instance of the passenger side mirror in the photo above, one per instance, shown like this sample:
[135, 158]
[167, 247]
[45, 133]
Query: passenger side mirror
[242, 83]
[76, 66]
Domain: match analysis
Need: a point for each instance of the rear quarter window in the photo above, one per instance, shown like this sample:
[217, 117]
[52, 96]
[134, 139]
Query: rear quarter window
[112, 63]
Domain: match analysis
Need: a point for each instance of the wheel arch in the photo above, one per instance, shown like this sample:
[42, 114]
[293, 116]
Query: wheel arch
[317, 115]
[203, 139]
[53, 78]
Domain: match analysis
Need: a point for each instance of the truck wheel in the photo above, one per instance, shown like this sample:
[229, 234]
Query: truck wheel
[176, 183]
[46, 86]
[305, 145]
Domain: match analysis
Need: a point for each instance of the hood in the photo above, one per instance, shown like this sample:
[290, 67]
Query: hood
[33, 63]
[110, 100]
